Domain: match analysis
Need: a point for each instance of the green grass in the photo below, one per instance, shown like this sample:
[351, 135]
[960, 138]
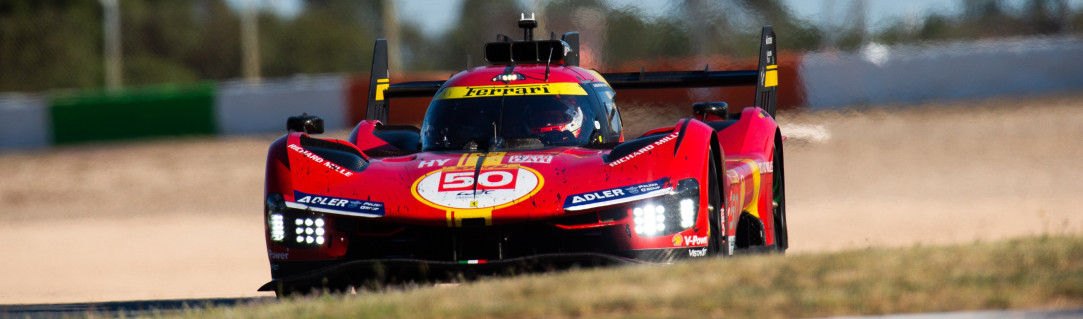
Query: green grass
[1040, 272]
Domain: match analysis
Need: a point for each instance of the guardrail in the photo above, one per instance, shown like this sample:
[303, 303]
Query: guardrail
[877, 75]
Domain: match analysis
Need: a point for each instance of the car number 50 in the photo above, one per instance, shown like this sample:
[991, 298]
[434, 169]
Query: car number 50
[456, 181]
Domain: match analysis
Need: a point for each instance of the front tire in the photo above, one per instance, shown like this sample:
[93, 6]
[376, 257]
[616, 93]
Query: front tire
[715, 244]
[782, 240]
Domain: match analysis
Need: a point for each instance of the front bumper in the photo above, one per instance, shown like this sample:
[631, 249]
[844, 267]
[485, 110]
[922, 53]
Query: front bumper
[360, 251]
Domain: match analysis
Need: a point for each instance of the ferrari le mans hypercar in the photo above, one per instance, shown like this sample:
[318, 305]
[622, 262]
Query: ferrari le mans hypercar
[522, 165]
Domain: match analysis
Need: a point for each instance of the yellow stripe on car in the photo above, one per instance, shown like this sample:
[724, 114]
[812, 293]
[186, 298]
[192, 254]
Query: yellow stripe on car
[461, 92]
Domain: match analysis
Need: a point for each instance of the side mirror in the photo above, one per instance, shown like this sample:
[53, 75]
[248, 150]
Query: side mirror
[715, 109]
[310, 124]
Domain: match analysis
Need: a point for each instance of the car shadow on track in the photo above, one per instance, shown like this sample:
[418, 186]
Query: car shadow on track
[120, 308]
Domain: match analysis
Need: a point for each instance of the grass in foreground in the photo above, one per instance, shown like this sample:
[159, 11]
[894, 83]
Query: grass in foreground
[1042, 272]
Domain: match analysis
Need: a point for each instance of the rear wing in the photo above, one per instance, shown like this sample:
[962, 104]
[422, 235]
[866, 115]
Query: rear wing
[765, 78]
[381, 89]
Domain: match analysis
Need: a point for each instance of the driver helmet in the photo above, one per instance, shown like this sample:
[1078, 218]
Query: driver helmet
[559, 116]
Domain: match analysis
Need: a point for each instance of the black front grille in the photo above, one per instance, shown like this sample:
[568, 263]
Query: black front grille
[479, 242]
[593, 218]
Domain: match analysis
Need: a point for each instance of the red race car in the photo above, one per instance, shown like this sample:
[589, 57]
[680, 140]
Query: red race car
[522, 165]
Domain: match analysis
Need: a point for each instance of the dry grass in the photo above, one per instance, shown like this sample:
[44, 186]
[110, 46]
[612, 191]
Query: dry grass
[1039, 272]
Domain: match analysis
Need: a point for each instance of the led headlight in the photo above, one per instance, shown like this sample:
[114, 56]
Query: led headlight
[275, 220]
[688, 213]
[309, 229]
[278, 227]
[670, 213]
[649, 219]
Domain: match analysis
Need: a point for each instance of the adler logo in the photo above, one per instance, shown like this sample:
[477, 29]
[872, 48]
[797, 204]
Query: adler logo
[325, 201]
[597, 195]
[613, 195]
[339, 205]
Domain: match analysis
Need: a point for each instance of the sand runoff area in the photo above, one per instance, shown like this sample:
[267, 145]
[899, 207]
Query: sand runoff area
[181, 218]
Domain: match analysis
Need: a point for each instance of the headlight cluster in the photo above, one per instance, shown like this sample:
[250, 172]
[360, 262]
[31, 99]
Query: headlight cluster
[278, 228]
[308, 229]
[649, 220]
[670, 213]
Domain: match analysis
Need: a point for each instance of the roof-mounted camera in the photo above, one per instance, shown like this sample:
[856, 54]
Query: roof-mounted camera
[527, 50]
[528, 26]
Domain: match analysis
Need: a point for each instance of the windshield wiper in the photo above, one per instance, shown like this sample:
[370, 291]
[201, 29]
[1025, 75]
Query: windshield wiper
[497, 141]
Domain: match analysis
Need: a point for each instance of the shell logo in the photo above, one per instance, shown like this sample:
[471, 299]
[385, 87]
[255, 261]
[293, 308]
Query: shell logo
[677, 240]
[460, 187]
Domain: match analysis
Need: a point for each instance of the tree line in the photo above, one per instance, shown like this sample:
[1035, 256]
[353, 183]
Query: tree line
[57, 44]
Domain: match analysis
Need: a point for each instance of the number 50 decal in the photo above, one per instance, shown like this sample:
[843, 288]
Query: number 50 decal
[487, 180]
[464, 188]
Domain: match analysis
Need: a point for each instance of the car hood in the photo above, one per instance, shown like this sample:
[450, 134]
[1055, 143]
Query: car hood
[452, 188]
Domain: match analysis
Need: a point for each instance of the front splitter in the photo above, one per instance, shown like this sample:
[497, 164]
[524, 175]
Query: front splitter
[393, 271]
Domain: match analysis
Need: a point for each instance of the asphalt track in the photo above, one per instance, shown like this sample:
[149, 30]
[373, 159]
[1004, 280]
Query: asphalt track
[178, 221]
[120, 308]
[151, 307]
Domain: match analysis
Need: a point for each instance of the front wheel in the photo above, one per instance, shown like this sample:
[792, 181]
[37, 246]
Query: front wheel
[716, 244]
[782, 240]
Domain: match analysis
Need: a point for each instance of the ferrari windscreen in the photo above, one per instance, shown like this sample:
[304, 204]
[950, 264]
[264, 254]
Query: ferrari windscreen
[508, 122]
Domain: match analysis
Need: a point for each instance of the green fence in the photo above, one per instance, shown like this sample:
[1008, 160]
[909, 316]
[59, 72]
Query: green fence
[99, 115]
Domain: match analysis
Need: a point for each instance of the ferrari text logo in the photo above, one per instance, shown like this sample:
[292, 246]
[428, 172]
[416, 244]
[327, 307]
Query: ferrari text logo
[521, 90]
[459, 92]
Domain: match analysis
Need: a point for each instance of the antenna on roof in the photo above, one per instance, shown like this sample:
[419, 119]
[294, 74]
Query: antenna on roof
[547, 63]
[528, 26]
